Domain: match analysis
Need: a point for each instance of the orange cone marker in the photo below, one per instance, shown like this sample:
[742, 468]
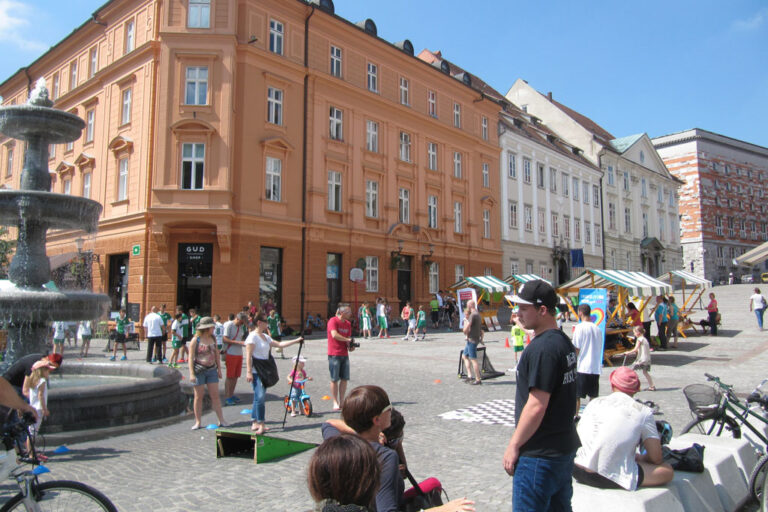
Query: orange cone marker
[438, 381]
[506, 343]
[325, 397]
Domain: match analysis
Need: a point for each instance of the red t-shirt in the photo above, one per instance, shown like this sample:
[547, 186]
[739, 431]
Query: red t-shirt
[336, 347]
[634, 318]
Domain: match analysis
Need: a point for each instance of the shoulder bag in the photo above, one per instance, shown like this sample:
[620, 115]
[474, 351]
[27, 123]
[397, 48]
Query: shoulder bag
[266, 369]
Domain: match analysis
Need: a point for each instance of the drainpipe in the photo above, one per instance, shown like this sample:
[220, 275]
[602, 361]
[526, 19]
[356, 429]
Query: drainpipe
[304, 173]
[602, 218]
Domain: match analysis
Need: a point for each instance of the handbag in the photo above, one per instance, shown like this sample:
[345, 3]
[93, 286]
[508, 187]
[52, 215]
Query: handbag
[266, 369]
[422, 496]
[685, 459]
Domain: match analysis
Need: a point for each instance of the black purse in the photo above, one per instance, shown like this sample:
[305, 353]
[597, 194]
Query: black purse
[428, 494]
[266, 369]
[686, 459]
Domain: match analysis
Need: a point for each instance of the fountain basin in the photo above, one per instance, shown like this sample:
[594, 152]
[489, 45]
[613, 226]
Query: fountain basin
[33, 306]
[55, 211]
[28, 122]
[151, 393]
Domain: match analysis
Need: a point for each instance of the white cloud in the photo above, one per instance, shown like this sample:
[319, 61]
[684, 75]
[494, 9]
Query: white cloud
[749, 24]
[14, 24]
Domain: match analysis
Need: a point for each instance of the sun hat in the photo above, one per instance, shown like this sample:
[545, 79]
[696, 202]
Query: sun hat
[536, 292]
[624, 379]
[44, 363]
[301, 359]
[205, 323]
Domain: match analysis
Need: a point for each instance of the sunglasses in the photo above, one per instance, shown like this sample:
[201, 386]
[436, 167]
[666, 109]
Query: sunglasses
[387, 408]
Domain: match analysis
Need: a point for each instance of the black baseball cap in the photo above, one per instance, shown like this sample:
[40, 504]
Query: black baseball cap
[536, 292]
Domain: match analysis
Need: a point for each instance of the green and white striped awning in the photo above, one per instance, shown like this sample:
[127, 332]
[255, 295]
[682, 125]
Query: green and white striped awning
[490, 283]
[524, 278]
[689, 279]
[638, 284]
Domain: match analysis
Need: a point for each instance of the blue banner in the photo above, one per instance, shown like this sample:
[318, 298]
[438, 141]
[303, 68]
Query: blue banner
[597, 298]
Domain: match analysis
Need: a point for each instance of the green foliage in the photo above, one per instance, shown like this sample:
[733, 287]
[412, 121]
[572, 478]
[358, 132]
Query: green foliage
[7, 247]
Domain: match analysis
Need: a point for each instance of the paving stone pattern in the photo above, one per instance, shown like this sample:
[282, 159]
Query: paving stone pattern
[175, 469]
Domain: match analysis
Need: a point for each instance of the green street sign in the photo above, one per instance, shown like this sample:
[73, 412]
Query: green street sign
[136, 250]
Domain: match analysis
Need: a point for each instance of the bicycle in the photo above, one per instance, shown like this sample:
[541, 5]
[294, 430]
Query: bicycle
[304, 400]
[719, 412]
[36, 496]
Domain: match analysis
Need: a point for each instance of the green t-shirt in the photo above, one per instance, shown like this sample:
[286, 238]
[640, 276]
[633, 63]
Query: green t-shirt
[421, 319]
[518, 336]
[434, 305]
[120, 324]
[194, 322]
[185, 326]
[366, 313]
[274, 325]
[166, 318]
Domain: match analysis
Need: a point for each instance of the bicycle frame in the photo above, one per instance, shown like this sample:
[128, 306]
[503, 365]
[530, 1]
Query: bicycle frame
[739, 411]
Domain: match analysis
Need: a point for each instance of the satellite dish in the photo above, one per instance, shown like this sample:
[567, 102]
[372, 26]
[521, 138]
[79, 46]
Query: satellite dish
[356, 275]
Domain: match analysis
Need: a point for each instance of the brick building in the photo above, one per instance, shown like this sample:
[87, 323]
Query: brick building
[722, 202]
[258, 150]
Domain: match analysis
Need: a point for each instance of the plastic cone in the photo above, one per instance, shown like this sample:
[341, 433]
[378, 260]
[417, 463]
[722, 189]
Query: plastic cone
[506, 343]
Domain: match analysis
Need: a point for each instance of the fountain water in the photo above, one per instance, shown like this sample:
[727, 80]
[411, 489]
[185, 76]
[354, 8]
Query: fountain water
[28, 308]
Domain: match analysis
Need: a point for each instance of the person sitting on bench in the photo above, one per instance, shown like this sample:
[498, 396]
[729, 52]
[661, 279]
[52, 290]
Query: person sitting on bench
[609, 429]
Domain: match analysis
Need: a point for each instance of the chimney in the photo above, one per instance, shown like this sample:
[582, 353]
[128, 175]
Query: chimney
[549, 96]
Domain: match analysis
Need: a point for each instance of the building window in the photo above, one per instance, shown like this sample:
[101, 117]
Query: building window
[9, 163]
[457, 115]
[486, 224]
[542, 224]
[626, 181]
[434, 277]
[587, 232]
[51, 151]
[125, 112]
[371, 273]
[274, 182]
[432, 156]
[457, 225]
[373, 77]
[643, 187]
[513, 214]
[627, 220]
[130, 40]
[576, 186]
[611, 216]
[611, 176]
[585, 195]
[73, 75]
[276, 33]
[432, 103]
[671, 198]
[514, 267]
[372, 198]
[553, 180]
[67, 185]
[69, 147]
[87, 185]
[566, 181]
[93, 61]
[334, 191]
[555, 225]
[405, 146]
[404, 92]
[527, 170]
[629, 260]
[613, 259]
[456, 164]
[484, 127]
[486, 176]
[122, 179]
[540, 177]
[577, 229]
[528, 217]
[336, 124]
[645, 225]
[90, 121]
[596, 196]
[197, 85]
[56, 86]
[458, 272]
[660, 192]
[567, 227]
[372, 136]
[336, 61]
[199, 14]
[511, 164]
[661, 229]
[404, 206]
[432, 212]
[274, 106]
[192, 166]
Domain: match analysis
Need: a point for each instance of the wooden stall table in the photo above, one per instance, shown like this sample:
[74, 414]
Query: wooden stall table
[621, 333]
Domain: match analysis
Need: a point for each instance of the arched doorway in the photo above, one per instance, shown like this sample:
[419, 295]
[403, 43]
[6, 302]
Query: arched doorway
[563, 272]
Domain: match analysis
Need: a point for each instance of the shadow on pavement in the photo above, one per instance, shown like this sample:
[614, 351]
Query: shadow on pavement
[676, 359]
[86, 454]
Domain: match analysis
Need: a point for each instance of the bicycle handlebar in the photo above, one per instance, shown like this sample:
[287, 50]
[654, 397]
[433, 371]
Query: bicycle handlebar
[711, 377]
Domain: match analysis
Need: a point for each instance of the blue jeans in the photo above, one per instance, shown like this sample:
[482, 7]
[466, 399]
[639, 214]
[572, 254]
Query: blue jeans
[259, 397]
[541, 485]
[759, 314]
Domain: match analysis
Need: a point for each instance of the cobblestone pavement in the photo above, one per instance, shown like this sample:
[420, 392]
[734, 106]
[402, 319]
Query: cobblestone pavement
[175, 469]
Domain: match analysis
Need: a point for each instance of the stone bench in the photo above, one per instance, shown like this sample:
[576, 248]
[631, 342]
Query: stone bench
[722, 487]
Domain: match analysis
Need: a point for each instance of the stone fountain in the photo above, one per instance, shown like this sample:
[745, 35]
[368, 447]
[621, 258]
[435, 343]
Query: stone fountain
[28, 308]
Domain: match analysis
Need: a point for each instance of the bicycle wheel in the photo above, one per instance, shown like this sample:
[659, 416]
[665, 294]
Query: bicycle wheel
[721, 427]
[287, 402]
[306, 407]
[63, 495]
[757, 478]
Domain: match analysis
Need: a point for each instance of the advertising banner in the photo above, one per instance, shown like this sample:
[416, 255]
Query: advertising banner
[597, 298]
[465, 295]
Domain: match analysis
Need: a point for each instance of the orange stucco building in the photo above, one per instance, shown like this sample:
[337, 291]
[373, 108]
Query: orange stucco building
[258, 150]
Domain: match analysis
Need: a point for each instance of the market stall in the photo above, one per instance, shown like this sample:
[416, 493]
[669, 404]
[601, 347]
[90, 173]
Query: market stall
[517, 279]
[686, 282]
[490, 289]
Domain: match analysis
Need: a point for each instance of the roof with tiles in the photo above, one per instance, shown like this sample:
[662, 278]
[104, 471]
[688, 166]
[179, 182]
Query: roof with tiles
[602, 135]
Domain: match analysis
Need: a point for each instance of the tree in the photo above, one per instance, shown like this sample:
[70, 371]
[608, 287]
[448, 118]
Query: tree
[7, 247]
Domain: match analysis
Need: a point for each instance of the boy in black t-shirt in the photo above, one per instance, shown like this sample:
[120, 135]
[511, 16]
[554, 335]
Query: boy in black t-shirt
[541, 451]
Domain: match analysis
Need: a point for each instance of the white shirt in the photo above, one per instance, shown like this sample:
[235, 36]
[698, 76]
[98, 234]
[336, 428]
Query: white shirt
[153, 323]
[59, 329]
[611, 427]
[643, 351]
[84, 329]
[381, 310]
[34, 399]
[588, 338]
[218, 333]
[757, 301]
[177, 329]
[260, 344]
[439, 299]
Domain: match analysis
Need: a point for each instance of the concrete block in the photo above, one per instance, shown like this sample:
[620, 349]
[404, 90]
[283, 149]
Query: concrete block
[590, 499]
[696, 491]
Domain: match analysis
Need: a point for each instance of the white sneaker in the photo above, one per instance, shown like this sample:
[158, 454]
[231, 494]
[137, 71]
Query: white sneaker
[405, 338]
[512, 370]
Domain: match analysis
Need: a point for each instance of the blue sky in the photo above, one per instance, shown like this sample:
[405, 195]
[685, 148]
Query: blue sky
[654, 66]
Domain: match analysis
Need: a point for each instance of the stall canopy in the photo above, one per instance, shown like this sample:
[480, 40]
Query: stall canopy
[687, 281]
[754, 256]
[488, 283]
[522, 278]
[638, 284]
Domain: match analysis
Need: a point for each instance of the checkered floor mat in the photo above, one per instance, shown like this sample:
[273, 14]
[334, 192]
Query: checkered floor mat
[495, 412]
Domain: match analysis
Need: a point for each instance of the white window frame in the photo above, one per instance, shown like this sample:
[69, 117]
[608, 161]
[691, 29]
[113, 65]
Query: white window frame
[553, 180]
[372, 136]
[576, 187]
[611, 216]
[486, 223]
[627, 220]
[513, 214]
[555, 225]
[595, 196]
[199, 14]
[336, 123]
[337, 55]
[9, 161]
[123, 167]
[457, 221]
[404, 205]
[587, 232]
[458, 272]
[643, 187]
[130, 37]
[576, 229]
[434, 277]
[405, 98]
[486, 176]
[67, 186]
[87, 176]
[457, 115]
[585, 192]
[566, 182]
[194, 160]
[372, 199]
[645, 224]
[72, 75]
[432, 156]
[527, 170]
[275, 106]
[484, 127]
[373, 77]
[611, 176]
[276, 37]
[56, 88]
[334, 191]
[567, 227]
[126, 103]
[93, 61]
[405, 146]
[511, 165]
[541, 175]
[542, 218]
[626, 184]
[90, 125]
[371, 273]
[274, 179]
[432, 212]
[528, 218]
[196, 85]
[432, 103]
[457, 164]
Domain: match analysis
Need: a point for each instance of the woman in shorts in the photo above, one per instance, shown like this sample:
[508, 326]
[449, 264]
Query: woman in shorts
[205, 370]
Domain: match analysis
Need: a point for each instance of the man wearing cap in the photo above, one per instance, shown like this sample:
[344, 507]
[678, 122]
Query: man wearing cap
[610, 428]
[588, 340]
[473, 330]
[541, 451]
